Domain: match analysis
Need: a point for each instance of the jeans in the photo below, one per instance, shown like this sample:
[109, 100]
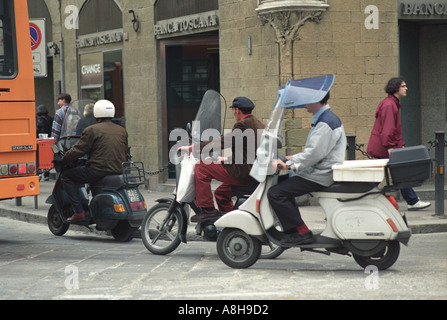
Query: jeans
[409, 196]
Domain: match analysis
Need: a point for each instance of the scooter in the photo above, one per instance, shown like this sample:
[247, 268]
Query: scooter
[361, 220]
[116, 205]
[165, 226]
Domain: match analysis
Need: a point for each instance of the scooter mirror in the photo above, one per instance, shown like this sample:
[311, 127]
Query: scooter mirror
[189, 128]
[55, 149]
[279, 141]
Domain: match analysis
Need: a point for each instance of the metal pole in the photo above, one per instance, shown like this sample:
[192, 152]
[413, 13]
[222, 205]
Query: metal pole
[351, 146]
[439, 173]
[62, 51]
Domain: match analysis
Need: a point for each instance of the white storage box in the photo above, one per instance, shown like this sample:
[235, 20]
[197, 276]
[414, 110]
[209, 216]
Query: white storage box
[360, 171]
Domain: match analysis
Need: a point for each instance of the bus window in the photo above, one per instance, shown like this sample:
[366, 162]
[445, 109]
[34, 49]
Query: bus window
[8, 61]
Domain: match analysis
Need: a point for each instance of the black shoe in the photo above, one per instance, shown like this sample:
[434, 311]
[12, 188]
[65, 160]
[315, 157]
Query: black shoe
[295, 239]
[206, 215]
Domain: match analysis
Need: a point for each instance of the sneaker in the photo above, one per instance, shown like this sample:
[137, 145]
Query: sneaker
[418, 205]
[205, 215]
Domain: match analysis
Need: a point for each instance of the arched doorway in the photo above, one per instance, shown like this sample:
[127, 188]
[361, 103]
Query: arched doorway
[188, 34]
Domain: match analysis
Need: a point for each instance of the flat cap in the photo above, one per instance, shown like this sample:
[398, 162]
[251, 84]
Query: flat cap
[243, 103]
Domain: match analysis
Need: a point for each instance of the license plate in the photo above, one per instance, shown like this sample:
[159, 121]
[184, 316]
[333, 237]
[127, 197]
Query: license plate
[133, 196]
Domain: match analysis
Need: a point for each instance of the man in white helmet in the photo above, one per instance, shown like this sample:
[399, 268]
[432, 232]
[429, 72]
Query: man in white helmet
[105, 145]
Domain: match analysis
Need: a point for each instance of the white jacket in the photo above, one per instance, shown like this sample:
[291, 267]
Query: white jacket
[325, 146]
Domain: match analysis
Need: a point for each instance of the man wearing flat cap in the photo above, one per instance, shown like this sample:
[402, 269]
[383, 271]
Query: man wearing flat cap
[234, 170]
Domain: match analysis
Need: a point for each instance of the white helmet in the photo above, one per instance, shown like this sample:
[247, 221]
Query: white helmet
[104, 109]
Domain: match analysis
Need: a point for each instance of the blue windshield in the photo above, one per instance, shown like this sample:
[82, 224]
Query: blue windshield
[298, 93]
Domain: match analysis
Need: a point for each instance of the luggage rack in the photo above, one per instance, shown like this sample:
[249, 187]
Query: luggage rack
[406, 168]
[133, 173]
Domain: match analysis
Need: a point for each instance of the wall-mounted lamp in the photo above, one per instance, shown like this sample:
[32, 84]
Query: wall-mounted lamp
[54, 48]
[135, 22]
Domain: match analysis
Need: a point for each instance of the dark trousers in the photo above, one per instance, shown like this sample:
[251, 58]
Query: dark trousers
[72, 179]
[282, 199]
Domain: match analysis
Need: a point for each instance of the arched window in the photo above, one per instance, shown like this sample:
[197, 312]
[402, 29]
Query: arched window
[98, 16]
[99, 43]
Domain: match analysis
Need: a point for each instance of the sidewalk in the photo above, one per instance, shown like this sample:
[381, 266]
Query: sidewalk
[422, 221]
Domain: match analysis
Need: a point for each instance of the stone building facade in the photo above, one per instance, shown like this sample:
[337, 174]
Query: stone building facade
[158, 56]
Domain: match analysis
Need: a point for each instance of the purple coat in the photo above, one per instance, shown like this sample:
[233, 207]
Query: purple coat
[387, 130]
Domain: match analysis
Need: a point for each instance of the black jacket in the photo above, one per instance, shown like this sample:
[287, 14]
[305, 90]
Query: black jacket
[105, 145]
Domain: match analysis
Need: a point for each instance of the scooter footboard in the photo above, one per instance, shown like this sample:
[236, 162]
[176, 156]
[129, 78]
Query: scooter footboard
[241, 220]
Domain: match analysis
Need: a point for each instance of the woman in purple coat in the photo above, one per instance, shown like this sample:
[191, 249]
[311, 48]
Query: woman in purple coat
[387, 133]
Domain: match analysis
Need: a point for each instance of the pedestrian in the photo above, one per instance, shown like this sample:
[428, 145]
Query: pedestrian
[87, 120]
[44, 121]
[43, 126]
[105, 145]
[311, 171]
[63, 101]
[387, 135]
[234, 170]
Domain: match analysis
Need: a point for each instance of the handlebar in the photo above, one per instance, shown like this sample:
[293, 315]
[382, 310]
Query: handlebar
[283, 159]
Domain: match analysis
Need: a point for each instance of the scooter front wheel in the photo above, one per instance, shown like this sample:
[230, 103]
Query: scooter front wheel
[55, 223]
[160, 230]
[272, 251]
[237, 249]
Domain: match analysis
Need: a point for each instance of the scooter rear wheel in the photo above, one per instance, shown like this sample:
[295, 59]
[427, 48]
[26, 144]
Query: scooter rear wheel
[55, 222]
[160, 230]
[382, 260]
[123, 231]
[237, 249]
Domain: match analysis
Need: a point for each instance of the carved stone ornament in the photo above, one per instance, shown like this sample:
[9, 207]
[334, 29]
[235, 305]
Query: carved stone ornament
[272, 6]
[286, 17]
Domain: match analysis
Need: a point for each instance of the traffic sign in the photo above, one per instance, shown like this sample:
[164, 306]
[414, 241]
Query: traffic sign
[36, 35]
[39, 47]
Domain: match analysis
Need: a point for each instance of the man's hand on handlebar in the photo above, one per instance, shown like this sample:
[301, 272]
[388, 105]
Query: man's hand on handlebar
[280, 163]
[187, 149]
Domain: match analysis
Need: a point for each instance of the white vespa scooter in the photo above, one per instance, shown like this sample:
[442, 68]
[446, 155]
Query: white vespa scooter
[361, 219]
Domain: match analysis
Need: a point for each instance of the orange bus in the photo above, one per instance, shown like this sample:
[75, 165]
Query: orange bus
[18, 145]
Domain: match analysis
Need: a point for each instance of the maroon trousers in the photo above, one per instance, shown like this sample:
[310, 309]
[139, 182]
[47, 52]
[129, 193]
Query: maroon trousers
[204, 174]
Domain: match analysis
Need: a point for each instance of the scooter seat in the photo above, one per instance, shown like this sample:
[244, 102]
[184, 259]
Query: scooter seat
[243, 191]
[111, 182]
[350, 187]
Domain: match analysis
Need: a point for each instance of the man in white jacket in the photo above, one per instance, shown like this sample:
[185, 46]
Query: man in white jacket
[312, 171]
